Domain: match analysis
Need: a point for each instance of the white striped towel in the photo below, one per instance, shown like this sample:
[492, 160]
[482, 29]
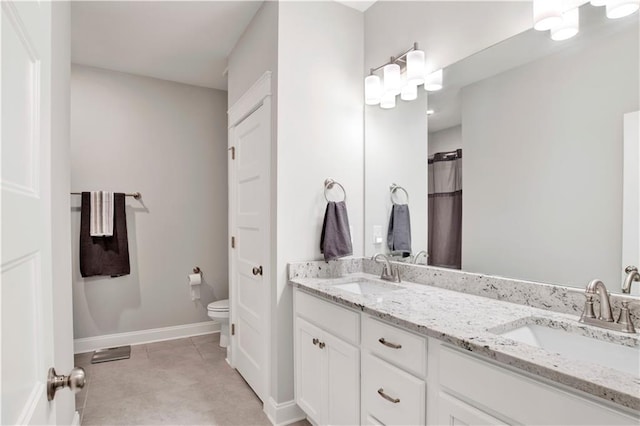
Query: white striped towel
[101, 214]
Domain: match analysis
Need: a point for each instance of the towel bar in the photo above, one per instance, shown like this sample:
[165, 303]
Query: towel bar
[395, 187]
[135, 195]
[328, 184]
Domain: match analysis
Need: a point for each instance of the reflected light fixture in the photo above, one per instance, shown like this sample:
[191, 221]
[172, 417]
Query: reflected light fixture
[409, 92]
[372, 90]
[598, 2]
[388, 101]
[546, 14]
[621, 8]
[433, 81]
[400, 76]
[569, 26]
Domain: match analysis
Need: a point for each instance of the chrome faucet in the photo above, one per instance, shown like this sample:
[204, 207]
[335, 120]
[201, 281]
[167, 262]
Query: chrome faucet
[420, 253]
[605, 319]
[632, 275]
[388, 272]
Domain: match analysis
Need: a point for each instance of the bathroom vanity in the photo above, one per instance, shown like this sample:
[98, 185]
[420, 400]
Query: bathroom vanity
[372, 352]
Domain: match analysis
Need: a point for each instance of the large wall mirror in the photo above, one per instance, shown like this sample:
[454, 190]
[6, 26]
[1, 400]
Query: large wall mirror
[522, 160]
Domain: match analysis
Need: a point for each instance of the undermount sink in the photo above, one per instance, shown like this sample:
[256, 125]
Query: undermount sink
[363, 287]
[576, 346]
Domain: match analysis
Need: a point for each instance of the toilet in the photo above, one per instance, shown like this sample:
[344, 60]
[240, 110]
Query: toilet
[219, 311]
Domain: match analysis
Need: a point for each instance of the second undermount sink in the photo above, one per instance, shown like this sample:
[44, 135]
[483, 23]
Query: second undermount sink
[365, 287]
[573, 345]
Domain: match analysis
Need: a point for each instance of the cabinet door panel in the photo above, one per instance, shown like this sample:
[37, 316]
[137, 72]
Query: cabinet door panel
[309, 369]
[453, 412]
[343, 381]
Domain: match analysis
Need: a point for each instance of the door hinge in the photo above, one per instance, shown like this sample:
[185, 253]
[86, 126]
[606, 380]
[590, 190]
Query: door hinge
[233, 329]
[233, 152]
[233, 242]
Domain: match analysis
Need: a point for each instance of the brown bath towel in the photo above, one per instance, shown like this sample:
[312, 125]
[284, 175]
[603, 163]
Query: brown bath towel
[104, 255]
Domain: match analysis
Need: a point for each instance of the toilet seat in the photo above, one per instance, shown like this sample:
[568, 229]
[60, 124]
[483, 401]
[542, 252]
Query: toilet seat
[219, 306]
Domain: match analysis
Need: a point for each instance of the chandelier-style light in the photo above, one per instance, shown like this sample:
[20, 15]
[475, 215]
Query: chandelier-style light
[569, 26]
[621, 8]
[400, 76]
[546, 14]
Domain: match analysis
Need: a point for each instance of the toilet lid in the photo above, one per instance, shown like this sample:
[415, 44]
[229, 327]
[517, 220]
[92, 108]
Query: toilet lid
[219, 305]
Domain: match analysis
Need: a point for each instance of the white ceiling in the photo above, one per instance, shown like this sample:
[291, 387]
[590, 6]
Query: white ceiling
[183, 41]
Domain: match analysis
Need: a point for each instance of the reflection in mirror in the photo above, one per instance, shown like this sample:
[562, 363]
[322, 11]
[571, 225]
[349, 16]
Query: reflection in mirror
[539, 189]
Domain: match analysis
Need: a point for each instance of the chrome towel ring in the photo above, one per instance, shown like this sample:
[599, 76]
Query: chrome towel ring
[328, 184]
[395, 187]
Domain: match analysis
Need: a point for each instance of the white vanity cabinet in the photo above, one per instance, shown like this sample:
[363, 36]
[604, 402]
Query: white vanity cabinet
[327, 361]
[351, 368]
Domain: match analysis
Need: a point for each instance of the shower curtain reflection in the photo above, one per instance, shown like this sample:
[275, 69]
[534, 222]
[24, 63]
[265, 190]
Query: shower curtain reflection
[445, 209]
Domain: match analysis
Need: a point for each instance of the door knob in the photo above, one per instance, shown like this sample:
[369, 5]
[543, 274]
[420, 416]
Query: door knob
[257, 270]
[74, 381]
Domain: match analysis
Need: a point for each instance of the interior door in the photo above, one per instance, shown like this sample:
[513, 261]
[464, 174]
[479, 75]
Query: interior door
[250, 257]
[26, 289]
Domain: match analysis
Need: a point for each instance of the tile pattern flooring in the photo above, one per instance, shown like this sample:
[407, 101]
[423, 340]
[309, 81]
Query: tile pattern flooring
[175, 382]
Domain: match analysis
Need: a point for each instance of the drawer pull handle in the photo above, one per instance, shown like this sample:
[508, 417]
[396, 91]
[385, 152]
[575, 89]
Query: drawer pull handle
[389, 344]
[321, 344]
[315, 341]
[387, 397]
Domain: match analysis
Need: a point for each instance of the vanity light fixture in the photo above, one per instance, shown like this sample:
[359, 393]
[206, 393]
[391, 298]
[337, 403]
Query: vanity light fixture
[400, 76]
[433, 81]
[546, 14]
[569, 26]
[598, 3]
[621, 8]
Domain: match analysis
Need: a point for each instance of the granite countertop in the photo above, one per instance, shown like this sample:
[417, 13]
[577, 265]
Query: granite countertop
[471, 322]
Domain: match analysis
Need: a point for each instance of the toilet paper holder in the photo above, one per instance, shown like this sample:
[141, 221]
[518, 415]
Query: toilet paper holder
[197, 270]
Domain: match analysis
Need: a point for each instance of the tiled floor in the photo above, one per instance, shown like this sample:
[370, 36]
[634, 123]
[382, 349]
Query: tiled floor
[176, 382]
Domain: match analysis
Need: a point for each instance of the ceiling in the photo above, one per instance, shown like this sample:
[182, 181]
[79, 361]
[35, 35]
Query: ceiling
[183, 41]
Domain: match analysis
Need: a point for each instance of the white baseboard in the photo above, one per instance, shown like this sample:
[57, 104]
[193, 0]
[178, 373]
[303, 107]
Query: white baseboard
[283, 413]
[76, 419]
[89, 344]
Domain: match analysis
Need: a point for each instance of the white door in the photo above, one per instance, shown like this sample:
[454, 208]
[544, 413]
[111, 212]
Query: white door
[309, 359]
[453, 412]
[250, 258]
[26, 288]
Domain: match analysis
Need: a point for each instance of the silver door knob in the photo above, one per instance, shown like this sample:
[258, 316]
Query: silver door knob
[74, 381]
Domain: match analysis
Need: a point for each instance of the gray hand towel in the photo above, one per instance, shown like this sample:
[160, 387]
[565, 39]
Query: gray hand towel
[104, 255]
[399, 231]
[335, 240]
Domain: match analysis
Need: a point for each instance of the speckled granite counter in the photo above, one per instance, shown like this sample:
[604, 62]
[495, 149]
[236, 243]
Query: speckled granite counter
[472, 322]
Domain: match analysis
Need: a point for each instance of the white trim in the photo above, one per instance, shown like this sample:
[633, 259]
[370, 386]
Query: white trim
[76, 419]
[284, 413]
[250, 100]
[89, 344]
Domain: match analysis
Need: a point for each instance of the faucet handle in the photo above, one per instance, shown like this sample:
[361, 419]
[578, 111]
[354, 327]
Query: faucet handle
[588, 308]
[625, 318]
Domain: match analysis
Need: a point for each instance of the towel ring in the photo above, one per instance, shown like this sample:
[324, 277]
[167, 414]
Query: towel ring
[395, 187]
[328, 184]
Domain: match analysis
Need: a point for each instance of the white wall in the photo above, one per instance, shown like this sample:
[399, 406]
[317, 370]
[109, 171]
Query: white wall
[445, 140]
[168, 141]
[60, 203]
[543, 162]
[320, 135]
[396, 152]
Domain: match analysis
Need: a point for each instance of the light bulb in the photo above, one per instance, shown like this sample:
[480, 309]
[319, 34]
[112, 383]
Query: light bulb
[409, 92]
[569, 26]
[415, 67]
[621, 8]
[392, 79]
[433, 81]
[546, 14]
[372, 90]
[388, 101]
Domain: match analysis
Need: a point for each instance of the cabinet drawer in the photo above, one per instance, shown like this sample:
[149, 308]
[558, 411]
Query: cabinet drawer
[391, 395]
[335, 319]
[400, 347]
[467, 376]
